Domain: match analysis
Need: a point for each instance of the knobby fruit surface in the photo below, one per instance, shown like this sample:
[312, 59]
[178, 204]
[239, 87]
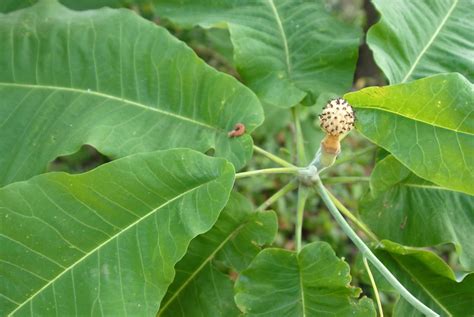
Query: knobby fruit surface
[337, 117]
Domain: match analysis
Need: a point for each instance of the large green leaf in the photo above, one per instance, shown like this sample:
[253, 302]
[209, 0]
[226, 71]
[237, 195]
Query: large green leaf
[105, 242]
[429, 279]
[428, 125]
[284, 50]
[12, 5]
[113, 80]
[313, 282]
[416, 39]
[199, 288]
[401, 203]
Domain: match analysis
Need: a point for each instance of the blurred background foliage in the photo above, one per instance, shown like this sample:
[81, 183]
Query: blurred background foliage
[277, 136]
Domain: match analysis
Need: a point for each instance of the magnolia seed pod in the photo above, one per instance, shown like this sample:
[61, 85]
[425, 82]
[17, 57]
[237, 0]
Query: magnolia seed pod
[337, 117]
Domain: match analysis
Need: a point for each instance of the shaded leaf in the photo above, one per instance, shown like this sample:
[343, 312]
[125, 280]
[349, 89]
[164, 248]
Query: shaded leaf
[284, 50]
[429, 279]
[314, 282]
[12, 5]
[276, 119]
[199, 288]
[217, 45]
[113, 80]
[416, 39]
[105, 242]
[428, 125]
[409, 210]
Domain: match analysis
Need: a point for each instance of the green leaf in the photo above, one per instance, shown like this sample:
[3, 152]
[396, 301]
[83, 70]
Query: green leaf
[313, 282]
[428, 125]
[429, 279]
[113, 80]
[389, 172]
[409, 210]
[219, 40]
[12, 5]
[284, 50]
[106, 242]
[276, 119]
[199, 288]
[416, 39]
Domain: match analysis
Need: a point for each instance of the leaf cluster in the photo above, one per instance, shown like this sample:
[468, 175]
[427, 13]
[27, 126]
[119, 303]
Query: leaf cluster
[162, 228]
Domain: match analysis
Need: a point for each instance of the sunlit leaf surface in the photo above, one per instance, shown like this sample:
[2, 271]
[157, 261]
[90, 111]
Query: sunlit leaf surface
[113, 80]
[428, 125]
[105, 243]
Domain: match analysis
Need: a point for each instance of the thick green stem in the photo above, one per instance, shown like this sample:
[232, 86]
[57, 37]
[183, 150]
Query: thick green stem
[276, 170]
[369, 255]
[300, 152]
[302, 190]
[353, 218]
[374, 286]
[302, 197]
[273, 157]
[282, 192]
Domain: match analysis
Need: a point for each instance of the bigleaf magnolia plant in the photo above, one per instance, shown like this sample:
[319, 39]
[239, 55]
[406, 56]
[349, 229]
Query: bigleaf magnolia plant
[159, 230]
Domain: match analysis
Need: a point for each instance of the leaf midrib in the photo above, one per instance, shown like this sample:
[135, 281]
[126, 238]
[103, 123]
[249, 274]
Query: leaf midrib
[435, 34]
[80, 260]
[303, 304]
[103, 95]
[370, 107]
[431, 187]
[283, 36]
